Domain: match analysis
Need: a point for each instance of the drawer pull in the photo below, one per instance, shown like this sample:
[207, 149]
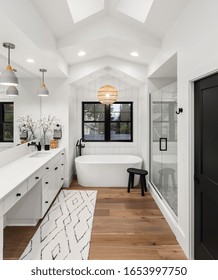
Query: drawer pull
[47, 168]
[46, 183]
[18, 194]
[62, 154]
[46, 201]
[62, 164]
[62, 178]
[37, 178]
[56, 168]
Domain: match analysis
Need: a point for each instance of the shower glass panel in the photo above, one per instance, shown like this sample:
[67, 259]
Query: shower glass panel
[163, 144]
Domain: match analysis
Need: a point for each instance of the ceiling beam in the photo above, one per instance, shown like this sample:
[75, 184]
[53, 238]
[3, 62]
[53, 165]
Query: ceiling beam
[133, 70]
[109, 27]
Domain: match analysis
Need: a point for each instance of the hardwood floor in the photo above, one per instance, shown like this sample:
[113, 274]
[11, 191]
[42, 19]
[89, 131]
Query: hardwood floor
[126, 226]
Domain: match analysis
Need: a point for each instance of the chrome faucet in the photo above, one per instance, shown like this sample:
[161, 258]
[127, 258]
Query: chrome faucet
[80, 145]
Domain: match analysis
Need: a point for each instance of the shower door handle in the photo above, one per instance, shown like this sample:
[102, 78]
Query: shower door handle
[163, 144]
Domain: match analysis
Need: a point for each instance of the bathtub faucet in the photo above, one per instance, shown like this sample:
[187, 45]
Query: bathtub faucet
[80, 145]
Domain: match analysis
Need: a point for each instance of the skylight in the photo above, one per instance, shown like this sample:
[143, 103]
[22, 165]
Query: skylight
[81, 9]
[137, 10]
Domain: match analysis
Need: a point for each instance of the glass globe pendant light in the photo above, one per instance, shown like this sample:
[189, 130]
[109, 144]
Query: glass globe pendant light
[8, 76]
[43, 91]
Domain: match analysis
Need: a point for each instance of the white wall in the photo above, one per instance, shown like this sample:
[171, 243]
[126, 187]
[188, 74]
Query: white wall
[194, 38]
[143, 121]
[57, 104]
[72, 131]
[126, 93]
[27, 103]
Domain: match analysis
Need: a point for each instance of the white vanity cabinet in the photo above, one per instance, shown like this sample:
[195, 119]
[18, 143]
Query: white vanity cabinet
[29, 192]
[52, 181]
[1, 231]
[14, 197]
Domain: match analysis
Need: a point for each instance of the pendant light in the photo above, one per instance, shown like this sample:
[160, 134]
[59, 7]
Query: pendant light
[107, 94]
[12, 91]
[8, 76]
[43, 91]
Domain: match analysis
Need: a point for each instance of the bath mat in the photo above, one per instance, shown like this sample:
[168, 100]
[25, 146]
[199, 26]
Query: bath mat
[65, 231]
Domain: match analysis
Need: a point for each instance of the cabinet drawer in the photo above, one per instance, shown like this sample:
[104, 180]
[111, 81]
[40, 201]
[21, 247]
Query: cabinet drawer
[34, 179]
[46, 202]
[14, 197]
[48, 166]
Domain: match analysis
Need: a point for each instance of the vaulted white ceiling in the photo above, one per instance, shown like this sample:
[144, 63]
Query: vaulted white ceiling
[53, 32]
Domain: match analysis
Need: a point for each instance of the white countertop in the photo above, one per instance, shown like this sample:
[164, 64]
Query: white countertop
[15, 173]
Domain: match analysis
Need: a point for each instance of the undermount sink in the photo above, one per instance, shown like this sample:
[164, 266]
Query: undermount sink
[40, 154]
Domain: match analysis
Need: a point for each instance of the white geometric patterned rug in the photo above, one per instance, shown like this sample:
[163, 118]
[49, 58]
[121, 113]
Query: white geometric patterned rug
[65, 231]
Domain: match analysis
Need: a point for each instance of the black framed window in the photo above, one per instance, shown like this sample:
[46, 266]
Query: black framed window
[110, 123]
[6, 121]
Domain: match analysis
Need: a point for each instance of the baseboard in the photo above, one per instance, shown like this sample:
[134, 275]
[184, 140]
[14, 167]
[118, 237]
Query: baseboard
[21, 222]
[67, 181]
[171, 220]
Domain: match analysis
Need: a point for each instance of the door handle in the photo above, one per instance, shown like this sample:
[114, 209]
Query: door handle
[163, 144]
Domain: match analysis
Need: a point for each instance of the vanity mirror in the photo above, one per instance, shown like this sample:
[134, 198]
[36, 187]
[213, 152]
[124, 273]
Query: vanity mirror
[11, 108]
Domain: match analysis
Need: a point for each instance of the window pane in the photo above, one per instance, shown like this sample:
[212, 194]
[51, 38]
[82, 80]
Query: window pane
[94, 131]
[120, 131]
[99, 116]
[99, 108]
[94, 112]
[115, 108]
[8, 132]
[88, 116]
[89, 107]
[125, 117]
[9, 117]
[8, 107]
[125, 107]
[115, 116]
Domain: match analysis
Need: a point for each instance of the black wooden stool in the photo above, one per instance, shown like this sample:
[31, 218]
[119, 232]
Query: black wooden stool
[142, 173]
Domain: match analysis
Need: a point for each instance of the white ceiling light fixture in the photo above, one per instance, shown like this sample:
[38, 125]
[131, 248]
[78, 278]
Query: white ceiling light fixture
[30, 60]
[12, 91]
[134, 54]
[8, 76]
[81, 53]
[43, 91]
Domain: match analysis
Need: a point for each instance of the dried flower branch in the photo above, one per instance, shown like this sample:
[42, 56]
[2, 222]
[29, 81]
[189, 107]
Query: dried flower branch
[26, 123]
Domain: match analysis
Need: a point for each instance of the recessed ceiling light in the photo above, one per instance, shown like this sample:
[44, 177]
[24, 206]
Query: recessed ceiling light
[81, 53]
[30, 60]
[135, 54]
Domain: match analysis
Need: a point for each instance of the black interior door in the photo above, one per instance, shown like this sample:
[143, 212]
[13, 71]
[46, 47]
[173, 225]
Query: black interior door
[206, 168]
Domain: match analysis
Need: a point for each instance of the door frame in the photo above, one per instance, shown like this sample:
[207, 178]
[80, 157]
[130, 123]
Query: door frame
[191, 110]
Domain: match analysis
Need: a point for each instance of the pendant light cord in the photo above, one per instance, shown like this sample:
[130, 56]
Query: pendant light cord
[9, 53]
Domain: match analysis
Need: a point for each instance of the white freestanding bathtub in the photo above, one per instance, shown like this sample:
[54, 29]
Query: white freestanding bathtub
[106, 170]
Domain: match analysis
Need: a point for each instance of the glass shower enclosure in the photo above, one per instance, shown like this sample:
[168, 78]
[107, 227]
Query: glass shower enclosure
[163, 144]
